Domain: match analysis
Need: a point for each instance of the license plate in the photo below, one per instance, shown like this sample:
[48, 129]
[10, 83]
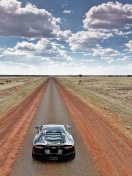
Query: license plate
[47, 151]
[59, 151]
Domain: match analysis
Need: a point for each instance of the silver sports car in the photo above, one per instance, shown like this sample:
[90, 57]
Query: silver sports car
[53, 142]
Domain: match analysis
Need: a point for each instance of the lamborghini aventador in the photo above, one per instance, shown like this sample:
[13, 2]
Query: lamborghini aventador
[53, 142]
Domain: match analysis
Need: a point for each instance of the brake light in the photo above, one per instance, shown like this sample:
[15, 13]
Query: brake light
[38, 147]
[68, 147]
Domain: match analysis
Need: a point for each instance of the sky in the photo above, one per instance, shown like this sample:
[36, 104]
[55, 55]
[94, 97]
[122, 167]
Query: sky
[65, 37]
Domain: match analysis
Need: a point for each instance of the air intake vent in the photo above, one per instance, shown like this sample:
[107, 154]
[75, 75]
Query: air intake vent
[53, 136]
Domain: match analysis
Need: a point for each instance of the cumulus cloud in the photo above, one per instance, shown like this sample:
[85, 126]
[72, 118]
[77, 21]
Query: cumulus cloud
[86, 40]
[108, 52]
[129, 45]
[64, 35]
[109, 16]
[28, 21]
[25, 46]
[27, 52]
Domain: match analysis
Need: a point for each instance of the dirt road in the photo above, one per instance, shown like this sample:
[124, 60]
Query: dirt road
[101, 148]
[52, 109]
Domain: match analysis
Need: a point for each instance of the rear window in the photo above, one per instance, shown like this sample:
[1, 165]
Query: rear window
[55, 129]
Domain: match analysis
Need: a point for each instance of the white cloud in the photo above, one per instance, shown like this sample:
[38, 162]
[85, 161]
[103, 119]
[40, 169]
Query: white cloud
[109, 16]
[86, 40]
[31, 53]
[129, 45]
[64, 35]
[125, 58]
[28, 21]
[25, 46]
[67, 11]
[108, 52]
[87, 60]
[106, 58]
[121, 33]
[55, 68]
[42, 45]
[48, 56]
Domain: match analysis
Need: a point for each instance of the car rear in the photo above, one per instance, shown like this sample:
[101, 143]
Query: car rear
[54, 152]
[55, 148]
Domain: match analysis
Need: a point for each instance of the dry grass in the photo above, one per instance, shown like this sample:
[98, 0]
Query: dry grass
[111, 94]
[15, 89]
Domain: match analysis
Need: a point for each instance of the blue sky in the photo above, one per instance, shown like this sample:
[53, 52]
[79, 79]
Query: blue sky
[66, 37]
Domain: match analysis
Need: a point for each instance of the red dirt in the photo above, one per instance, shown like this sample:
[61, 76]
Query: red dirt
[110, 149]
[14, 127]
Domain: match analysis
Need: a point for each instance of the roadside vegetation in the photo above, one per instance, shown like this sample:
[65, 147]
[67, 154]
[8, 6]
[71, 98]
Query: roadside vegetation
[112, 95]
[14, 90]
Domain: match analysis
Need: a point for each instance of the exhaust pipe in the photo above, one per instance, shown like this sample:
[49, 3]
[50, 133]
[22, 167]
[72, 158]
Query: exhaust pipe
[53, 158]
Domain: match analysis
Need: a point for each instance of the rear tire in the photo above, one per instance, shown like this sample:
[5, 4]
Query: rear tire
[33, 156]
[73, 156]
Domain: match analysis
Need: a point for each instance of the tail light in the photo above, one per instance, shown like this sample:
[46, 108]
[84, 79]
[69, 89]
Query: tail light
[38, 147]
[68, 147]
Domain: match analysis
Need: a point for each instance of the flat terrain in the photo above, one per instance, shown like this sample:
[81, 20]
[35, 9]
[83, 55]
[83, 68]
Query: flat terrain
[108, 140]
[103, 143]
[112, 95]
[14, 89]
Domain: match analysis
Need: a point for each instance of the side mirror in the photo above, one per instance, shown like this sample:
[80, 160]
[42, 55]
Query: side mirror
[36, 127]
[68, 127]
[39, 128]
